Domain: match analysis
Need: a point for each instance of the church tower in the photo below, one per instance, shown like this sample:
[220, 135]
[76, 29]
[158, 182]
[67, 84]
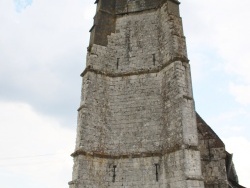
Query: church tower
[136, 121]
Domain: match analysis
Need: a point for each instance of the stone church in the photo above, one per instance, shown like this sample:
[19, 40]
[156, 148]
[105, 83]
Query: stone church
[137, 124]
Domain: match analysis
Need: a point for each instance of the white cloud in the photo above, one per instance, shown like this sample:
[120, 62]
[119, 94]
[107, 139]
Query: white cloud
[230, 123]
[221, 28]
[241, 93]
[240, 147]
[25, 135]
[42, 53]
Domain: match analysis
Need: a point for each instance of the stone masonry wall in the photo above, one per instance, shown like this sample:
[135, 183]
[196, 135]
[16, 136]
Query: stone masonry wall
[213, 157]
[135, 113]
[142, 41]
[124, 113]
[124, 116]
[124, 6]
[136, 121]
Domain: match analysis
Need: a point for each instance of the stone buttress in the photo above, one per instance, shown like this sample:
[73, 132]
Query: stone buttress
[137, 122]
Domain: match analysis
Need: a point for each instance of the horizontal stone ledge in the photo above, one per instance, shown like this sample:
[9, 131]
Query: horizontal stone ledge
[193, 178]
[212, 159]
[105, 11]
[188, 97]
[139, 72]
[133, 155]
[122, 156]
[175, 1]
[72, 182]
[190, 147]
[81, 107]
[183, 147]
[122, 12]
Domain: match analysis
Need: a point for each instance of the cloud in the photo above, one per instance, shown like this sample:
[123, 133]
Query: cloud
[42, 54]
[239, 146]
[241, 93]
[231, 123]
[34, 147]
[219, 29]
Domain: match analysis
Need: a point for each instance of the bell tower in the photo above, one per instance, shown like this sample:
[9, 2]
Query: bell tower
[136, 121]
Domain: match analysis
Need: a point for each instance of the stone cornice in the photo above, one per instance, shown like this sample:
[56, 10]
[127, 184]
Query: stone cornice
[138, 72]
[175, 1]
[121, 156]
[134, 155]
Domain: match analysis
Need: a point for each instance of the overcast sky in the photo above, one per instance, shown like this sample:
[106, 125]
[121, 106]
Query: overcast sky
[42, 53]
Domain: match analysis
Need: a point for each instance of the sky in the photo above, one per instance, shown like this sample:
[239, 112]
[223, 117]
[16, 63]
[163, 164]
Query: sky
[43, 51]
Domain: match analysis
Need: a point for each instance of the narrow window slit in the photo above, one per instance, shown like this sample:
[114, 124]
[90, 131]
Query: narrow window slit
[156, 172]
[114, 175]
[117, 63]
[154, 59]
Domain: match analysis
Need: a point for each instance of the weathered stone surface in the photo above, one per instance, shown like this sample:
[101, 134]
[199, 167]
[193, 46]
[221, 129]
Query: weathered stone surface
[217, 165]
[137, 125]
